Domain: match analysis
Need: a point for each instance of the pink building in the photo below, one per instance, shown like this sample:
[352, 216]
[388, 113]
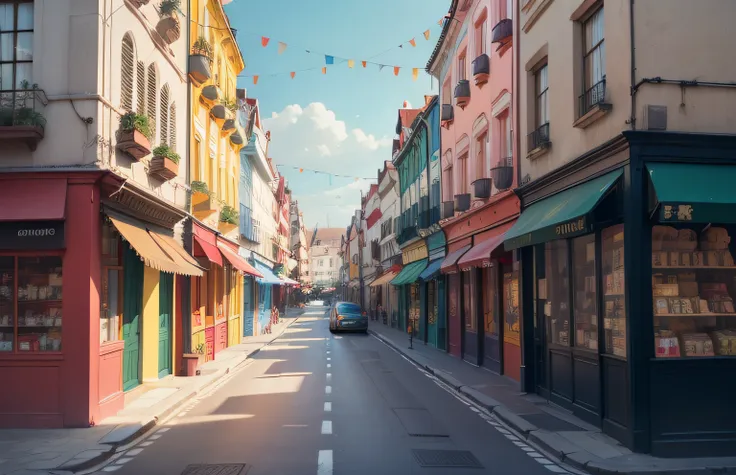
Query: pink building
[473, 62]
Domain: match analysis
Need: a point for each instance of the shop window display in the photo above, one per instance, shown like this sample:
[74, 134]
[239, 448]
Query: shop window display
[511, 307]
[693, 283]
[489, 301]
[584, 305]
[557, 292]
[614, 303]
[111, 305]
[7, 303]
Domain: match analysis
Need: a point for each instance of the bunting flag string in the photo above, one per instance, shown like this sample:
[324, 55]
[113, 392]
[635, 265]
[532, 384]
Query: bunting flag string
[332, 63]
[322, 172]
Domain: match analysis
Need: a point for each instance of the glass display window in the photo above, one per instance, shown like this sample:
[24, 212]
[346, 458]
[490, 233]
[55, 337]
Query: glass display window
[489, 301]
[585, 313]
[512, 325]
[39, 310]
[557, 292]
[614, 302]
[7, 303]
[111, 297]
[471, 320]
[693, 284]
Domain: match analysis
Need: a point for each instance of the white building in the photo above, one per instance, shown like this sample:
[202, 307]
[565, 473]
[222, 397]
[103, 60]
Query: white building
[371, 257]
[324, 256]
[388, 193]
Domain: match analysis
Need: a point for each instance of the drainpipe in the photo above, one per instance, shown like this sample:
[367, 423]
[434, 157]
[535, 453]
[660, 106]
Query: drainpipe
[186, 304]
[632, 119]
[515, 70]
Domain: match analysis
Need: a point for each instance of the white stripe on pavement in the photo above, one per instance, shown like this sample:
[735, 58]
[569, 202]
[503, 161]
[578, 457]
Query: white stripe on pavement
[328, 407]
[328, 389]
[326, 427]
[324, 462]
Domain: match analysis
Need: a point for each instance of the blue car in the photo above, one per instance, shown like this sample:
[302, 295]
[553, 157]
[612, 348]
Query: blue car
[347, 316]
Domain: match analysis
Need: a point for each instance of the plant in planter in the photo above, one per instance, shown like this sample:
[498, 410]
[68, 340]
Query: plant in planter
[229, 215]
[230, 104]
[199, 187]
[165, 163]
[200, 61]
[193, 360]
[168, 26]
[202, 47]
[135, 132]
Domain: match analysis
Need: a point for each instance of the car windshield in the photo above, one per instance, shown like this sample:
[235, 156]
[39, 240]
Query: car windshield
[348, 308]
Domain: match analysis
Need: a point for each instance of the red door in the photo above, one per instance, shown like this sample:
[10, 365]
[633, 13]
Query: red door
[453, 311]
[209, 341]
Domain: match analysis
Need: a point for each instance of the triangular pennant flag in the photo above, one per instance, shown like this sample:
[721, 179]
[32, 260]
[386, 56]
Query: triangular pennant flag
[301, 170]
[413, 42]
[365, 63]
[255, 79]
[426, 35]
[264, 41]
[351, 63]
[329, 59]
[381, 66]
[324, 69]
[293, 73]
[401, 45]
[415, 73]
[440, 22]
[396, 70]
[282, 47]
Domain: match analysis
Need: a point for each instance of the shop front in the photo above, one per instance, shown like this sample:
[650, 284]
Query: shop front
[386, 293]
[454, 290]
[415, 260]
[265, 304]
[236, 271]
[627, 286]
[433, 311]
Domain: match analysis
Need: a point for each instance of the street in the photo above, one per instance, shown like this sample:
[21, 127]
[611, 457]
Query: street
[316, 403]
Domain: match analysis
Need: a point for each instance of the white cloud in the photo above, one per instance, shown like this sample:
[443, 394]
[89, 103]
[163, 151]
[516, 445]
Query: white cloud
[369, 141]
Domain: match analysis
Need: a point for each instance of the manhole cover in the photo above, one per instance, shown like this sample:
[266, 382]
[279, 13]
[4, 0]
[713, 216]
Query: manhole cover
[216, 469]
[446, 458]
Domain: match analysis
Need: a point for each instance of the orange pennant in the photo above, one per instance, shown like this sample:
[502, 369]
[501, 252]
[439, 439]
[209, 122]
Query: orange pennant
[440, 22]
[413, 42]
[415, 73]
[396, 70]
[264, 41]
[364, 63]
[293, 73]
[301, 170]
[324, 69]
[255, 79]
[426, 35]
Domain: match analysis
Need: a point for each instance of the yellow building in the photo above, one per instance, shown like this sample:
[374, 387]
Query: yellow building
[215, 143]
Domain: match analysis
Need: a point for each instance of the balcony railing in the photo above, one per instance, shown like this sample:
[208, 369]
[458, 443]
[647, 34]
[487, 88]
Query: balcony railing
[592, 97]
[21, 115]
[448, 209]
[502, 31]
[539, 138]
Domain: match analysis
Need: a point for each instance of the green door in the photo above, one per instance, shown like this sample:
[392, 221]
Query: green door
[132, 310]
[165, 306]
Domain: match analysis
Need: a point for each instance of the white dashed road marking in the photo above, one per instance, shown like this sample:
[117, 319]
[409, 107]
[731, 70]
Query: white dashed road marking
[326, 427]
[324, 462]
[328, 390]
[328, 407]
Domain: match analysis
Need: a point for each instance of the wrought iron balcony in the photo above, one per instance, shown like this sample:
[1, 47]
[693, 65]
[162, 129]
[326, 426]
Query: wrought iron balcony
[482, 188]
[592, 97]
[448, 209]
[481, 69]
[448, 113]
[539, 138]
[503, 174]
[21, 115]
[502, 31]
[462, 202]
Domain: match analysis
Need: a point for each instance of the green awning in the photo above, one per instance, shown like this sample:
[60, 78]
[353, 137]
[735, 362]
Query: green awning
[410, 273]
[693, 193]
[563, 215]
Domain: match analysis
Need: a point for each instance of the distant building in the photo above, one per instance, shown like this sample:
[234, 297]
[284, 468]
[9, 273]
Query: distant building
[324, 260]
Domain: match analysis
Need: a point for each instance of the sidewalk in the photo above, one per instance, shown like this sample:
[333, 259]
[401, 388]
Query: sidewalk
[59, 451]
[554, 430]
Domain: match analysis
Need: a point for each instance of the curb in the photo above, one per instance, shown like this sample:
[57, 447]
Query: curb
[153, 422]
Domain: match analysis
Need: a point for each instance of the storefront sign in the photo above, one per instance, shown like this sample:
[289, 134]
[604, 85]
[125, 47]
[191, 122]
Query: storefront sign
[677, 213]
[575, 226]
[416, 253]
[146, 208]
[32, 235]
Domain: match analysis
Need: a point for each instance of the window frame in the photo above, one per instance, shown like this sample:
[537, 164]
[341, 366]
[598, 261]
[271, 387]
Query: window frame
[462, 65]
[541, 95]
[590, 50]
[15, 32]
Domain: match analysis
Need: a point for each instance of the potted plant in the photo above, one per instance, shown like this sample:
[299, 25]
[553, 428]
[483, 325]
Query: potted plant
[140, 3]
[200, 61]
[134, 135]
[165, 163]
[229, 215]
[168, 26]
[192, 361]
[199, 187]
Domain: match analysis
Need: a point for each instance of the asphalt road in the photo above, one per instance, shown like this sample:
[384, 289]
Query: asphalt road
[316, 403]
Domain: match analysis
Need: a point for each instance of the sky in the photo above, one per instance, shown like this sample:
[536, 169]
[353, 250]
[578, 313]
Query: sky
[342, 122]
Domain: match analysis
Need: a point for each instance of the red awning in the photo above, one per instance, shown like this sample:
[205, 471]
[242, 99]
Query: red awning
[37, 199]
[204, 249]
[373, 218]
[237, 261]
[449, 265]
[480, 254]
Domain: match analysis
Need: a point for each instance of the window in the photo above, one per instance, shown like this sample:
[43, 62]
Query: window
[321, 263]
[152, 86]
[462, 174]
[511, 320]
[140, 84]
[585, 295]
[481, 35]
[348, 308]
[461, 67]
[332, 263]
[34, 286]
[594, 51]
[489, 301]
[614, 306]
[16, 44]
[542, 101]
[164, 111]
[127, 71]
[447, 92]
[172, 126]
[111, 296]
[480, 157]
[505, 142]
[557, 290]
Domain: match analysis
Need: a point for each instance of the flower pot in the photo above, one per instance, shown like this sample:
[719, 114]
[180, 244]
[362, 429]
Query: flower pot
[462, 202]
[481, 69]
[211, 94]
[169, 28]
[228, 127]
[199, 68]
[462, 93]
[503, 176]
[164, 168]
[134, 144]
[219, 112]
[192, 361]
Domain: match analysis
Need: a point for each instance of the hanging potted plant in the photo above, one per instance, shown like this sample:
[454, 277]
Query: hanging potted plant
[139, 3]
[168, 26]
[228, 219]
[134, 135]
[192, 361]
[165, 163]
[200, 61]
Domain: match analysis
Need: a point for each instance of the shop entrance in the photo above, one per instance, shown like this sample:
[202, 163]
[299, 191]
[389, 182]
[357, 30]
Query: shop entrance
[471, 348]
[132, 311]
[166, 298]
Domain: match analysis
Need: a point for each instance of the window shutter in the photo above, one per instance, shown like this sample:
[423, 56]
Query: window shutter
[172, 126]
[164, 111]
[141, 87]
[151, 97]
[127, 67]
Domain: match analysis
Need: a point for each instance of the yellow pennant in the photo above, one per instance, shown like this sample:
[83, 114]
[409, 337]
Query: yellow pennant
[255, 79]
[415, 73]
[413, 42]
[351, 63]
[324, 69]
[426, 35]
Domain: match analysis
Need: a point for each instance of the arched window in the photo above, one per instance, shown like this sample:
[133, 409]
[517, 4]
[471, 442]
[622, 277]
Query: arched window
[164, 111]
[172, 126]
[140, 84]
[151, 97]
[127, 68]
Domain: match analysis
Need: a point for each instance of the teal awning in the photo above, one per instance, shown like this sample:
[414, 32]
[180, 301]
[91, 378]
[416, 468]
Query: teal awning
[268, 276]
[432, 270]
[560, 216]
[410, 273]
[694, 193]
